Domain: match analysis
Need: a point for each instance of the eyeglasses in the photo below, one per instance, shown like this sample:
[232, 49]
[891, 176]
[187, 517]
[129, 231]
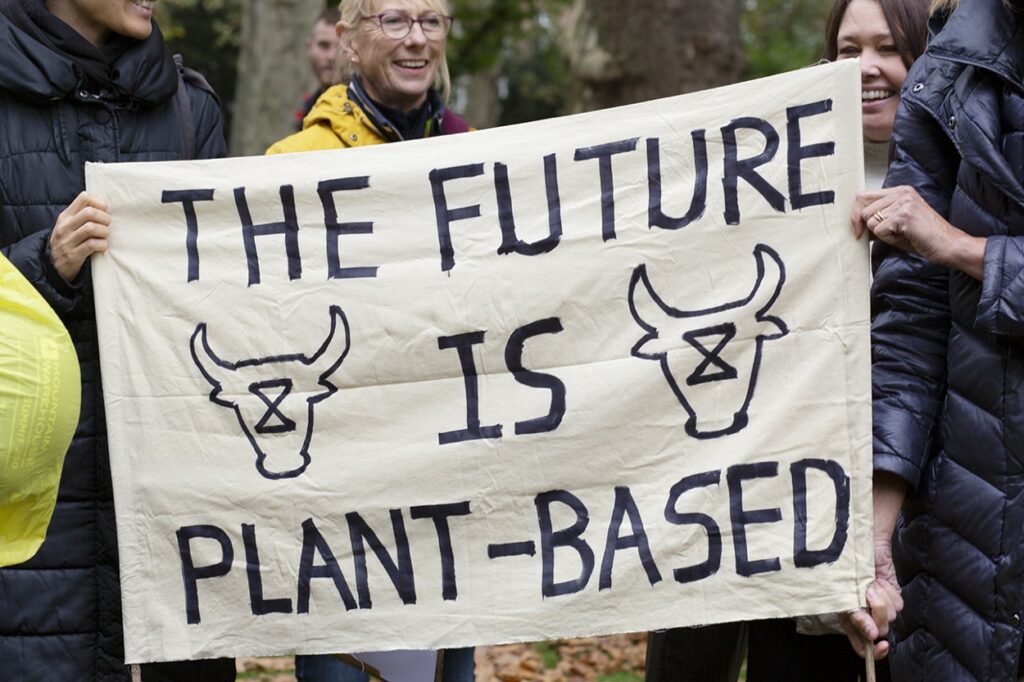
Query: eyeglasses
[396, 25]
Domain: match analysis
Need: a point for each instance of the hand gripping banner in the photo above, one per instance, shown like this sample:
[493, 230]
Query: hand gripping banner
[596, 374]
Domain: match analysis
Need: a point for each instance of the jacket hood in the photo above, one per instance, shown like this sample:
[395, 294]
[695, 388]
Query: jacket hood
[335, 110]
[342, 106]
[145, 73]
[988, 36]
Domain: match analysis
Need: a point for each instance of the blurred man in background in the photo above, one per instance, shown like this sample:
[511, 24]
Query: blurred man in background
[321, 48]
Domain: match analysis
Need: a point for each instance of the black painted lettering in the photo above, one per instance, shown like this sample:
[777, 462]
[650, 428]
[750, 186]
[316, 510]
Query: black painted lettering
[502, 550]
[326, 190]
[567, 537]
[802, 556]
[464, 343]
[711, 565]
[796, 153]
[698, 203]
[736, 168]
[741, 518]
[510, 241]
[440, 513]
[514, 362]
[188, 198]
[625, 505]
[313, 541]
[400, 573]
[604, 153]
[192, 574]
[253, 571]
[289, 227]
[446, 216]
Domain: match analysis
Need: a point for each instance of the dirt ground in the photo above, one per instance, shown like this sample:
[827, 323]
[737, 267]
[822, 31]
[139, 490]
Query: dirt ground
[601, 659]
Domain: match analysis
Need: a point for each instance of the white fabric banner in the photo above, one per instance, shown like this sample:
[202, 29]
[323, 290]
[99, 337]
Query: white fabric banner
[597, 374]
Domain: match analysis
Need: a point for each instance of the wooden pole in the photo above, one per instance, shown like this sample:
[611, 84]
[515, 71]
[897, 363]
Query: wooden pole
[869, 660]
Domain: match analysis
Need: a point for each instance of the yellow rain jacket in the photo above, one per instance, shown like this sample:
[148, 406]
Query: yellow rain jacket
[334, 122]
[40, 395]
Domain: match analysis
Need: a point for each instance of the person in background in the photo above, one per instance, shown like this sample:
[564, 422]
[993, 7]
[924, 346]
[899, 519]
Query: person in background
[397, 79]
[396, 72]
[322, 50]
[887, 36]
[948, 358]
[82, 80]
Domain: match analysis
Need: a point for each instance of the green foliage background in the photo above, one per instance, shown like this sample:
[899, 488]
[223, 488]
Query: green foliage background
[782, 35]
[516, 38]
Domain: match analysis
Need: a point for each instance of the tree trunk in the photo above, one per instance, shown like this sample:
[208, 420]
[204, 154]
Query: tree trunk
[272, 69]
[620, 53]
[482, 106]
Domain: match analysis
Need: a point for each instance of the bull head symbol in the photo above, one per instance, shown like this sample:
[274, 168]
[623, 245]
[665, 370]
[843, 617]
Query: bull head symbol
[267, 395]
[711, 357]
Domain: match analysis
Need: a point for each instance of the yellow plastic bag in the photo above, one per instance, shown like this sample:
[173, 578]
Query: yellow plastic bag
[40, 395]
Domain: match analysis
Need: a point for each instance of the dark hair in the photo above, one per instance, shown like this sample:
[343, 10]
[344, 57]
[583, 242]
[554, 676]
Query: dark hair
[331, 15]
[908, 23]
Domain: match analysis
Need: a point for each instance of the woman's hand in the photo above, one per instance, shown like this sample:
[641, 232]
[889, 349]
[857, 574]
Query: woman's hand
[883, 595]
[884, 603]
[80, 231]
[899, 217]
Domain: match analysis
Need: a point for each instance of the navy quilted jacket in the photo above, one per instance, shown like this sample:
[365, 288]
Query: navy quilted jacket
[60, 613]
[949, 358]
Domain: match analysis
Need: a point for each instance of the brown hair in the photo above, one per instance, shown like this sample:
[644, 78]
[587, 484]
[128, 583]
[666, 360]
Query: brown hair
[331, 16]
[908, 23]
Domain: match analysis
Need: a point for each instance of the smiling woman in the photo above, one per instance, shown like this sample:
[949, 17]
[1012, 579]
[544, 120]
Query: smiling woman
[887, 36]
[395, 71]
[397, 63]
[98, 19]
[81, 81]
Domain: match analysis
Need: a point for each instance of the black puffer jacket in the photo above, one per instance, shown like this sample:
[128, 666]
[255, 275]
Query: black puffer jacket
[949, 358]
[60, 614]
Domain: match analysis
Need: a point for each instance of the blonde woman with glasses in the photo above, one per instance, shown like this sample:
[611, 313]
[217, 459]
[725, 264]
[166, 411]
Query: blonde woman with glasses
[394, 74]
[395, 79]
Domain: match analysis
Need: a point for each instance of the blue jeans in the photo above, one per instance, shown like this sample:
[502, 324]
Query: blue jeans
[326, 668]
[458, 667]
